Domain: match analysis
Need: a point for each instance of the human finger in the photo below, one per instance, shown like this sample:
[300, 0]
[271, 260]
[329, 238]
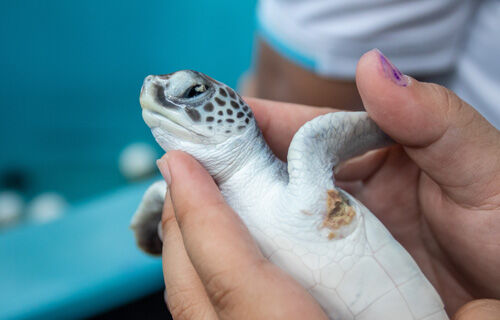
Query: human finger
[361, 167]
[446, 137]
[239, 281]
[279, 121]
[185, 295]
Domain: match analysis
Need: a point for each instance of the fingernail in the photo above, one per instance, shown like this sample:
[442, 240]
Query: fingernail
[160, 231]
[391, 71]
[165, 172]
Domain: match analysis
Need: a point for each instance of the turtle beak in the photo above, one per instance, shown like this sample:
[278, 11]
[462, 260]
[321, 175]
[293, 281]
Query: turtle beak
[153, 96]
[147, 82]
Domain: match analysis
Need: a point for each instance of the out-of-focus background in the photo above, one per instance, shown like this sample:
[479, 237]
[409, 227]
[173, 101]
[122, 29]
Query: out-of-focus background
[75, 155]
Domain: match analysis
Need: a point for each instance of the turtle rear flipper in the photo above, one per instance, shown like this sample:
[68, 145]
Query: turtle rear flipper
[146, 220]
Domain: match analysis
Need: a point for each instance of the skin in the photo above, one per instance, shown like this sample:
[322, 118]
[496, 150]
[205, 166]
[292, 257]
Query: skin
[438, 192]
[276, 78]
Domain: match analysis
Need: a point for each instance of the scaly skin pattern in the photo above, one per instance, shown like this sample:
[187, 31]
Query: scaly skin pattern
[323, 237]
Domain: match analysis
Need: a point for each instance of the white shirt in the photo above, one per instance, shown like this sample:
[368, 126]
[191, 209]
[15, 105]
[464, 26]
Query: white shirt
[454, 42]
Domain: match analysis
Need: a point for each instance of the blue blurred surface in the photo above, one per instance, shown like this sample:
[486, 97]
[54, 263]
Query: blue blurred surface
[69, 85]
[76, 266]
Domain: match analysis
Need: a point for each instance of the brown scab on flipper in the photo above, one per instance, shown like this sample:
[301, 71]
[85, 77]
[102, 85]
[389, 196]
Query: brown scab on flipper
[339, 212]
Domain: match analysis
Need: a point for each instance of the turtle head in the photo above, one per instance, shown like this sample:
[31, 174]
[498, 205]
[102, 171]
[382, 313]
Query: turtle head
[194, 108]
[189, 111]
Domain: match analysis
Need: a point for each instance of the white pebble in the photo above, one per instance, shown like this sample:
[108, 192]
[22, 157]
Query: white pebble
[11, 207]
[138, 161]
[46, 207]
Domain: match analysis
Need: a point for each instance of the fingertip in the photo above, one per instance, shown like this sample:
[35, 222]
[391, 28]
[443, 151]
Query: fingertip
[381, 97]
[191, 184]
[177, 156]
[409, 111]
[367, 61]
[185, 169]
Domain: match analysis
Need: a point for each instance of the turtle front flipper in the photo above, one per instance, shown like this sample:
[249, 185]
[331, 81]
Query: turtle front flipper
[147, 218]
[324, 142]
[315, 150]
[364, 272]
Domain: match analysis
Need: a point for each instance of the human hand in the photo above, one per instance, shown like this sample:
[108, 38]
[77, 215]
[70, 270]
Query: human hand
[213, 268]
[438, 192]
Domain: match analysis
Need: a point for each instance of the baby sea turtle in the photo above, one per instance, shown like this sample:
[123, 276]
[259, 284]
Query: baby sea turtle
[322, 236]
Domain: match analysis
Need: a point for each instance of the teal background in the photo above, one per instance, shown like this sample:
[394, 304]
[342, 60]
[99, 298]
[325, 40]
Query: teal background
[71, 72]
[70, 77]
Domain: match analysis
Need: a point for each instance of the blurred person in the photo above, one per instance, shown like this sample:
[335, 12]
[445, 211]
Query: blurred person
[308, 49]
[437, 191]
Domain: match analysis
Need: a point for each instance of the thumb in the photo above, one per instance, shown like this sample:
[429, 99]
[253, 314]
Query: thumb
[229, 263]
[211, 230]
[449, 140]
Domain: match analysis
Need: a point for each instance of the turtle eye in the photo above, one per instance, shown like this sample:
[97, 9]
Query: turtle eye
[194, 91]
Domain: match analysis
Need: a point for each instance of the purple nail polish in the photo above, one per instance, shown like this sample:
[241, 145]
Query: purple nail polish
[391, 71]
